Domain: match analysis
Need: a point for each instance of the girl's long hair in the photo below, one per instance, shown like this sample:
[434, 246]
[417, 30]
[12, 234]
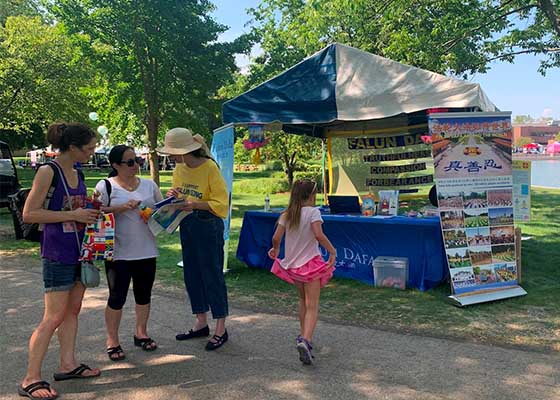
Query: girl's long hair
[302, 190]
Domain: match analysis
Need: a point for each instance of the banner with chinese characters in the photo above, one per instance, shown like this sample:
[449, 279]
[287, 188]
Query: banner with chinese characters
[473, 173]
[381, 160]
[522, 190]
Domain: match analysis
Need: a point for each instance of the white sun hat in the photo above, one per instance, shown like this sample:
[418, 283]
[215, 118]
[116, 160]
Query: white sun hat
[181, 141]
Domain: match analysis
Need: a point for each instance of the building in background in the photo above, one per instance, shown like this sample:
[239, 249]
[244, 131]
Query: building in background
[541, 133]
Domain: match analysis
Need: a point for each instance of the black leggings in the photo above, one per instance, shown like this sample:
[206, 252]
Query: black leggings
[119, 273]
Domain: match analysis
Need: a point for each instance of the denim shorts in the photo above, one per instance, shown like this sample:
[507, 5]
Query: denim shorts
[59, 277]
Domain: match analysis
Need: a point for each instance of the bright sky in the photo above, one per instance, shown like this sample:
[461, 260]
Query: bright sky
[516, 87]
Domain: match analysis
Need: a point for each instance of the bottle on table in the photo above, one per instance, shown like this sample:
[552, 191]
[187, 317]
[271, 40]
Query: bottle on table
[267, 203]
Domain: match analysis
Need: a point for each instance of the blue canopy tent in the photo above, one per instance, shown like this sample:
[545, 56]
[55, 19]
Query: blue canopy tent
[340, 87]
[343, 90]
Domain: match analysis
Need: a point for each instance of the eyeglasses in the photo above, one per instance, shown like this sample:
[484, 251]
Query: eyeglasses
[130, 162]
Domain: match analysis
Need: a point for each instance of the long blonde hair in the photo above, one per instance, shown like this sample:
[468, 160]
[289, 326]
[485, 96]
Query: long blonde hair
[302, 190]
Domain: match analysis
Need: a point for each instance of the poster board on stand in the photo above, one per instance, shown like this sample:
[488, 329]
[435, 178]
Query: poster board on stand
[473, 174]
[222, 151]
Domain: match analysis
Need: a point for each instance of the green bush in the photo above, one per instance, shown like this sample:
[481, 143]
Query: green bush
[262, 186]
[274, 165]
[307, 175]
[313, 172]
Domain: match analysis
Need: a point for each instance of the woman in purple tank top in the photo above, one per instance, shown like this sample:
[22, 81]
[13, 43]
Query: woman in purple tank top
[59, 251]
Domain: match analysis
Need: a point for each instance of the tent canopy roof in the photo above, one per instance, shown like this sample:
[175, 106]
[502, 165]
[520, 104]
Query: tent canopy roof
[341, 84]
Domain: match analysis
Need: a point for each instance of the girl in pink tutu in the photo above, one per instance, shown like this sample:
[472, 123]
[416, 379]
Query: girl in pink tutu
[303, 265]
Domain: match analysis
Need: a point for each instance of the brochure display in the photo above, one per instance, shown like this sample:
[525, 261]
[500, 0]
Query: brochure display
[388, 202]
[473, 173]
[368, 205]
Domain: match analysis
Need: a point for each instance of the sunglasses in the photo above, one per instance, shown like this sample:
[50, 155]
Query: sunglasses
[130, 162]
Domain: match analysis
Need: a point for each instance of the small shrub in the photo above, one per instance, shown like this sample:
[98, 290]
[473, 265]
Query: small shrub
[274, 165]
[262, 185]
[314, 175]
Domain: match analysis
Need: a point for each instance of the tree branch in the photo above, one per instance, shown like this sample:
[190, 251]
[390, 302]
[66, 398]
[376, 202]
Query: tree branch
[12, 100]
[515, 53]
[548, 9]
[452, 43]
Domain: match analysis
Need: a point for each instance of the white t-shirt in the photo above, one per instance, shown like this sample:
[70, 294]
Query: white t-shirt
[300, 244]
[133, 238]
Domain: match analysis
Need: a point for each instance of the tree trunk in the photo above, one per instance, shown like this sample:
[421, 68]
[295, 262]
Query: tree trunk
[290, 173]
[289, 168]
[152, 145]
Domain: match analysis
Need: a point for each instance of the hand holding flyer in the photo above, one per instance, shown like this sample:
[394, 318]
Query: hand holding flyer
[167, 215]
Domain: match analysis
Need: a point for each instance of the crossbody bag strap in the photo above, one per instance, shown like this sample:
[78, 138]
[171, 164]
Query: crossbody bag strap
[109, 190]
[62, 178]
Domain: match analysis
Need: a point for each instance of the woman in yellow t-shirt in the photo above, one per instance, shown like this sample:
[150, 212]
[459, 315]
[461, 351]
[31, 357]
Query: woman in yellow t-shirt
[197, 179]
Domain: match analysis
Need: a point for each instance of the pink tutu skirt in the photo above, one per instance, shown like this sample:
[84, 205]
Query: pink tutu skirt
[314, 269]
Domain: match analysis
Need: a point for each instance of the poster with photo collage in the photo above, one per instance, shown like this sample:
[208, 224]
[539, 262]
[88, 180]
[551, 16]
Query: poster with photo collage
[473, 174]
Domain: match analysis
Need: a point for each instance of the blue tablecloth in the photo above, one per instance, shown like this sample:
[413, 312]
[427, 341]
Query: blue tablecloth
[358, 241]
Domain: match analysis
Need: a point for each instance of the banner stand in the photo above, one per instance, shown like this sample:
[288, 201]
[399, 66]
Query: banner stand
[467, 299]
[475, 187]
[222, 151]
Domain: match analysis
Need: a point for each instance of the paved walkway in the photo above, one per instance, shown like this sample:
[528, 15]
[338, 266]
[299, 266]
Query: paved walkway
[260, 360]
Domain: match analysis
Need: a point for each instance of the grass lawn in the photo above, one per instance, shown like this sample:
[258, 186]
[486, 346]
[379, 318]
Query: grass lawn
[531, 322]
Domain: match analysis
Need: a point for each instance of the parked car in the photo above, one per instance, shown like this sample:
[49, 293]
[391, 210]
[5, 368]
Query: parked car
[9, 183]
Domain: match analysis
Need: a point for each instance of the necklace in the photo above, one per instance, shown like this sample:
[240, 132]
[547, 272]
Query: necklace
[129, 187]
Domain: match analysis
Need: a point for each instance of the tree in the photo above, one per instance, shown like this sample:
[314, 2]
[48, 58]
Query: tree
[12, 8]
[453, 36]
[522, 119]
[557, 137]
[24, 138]
[41, 74]
[523, 141]
[291, 150]
[163, 64]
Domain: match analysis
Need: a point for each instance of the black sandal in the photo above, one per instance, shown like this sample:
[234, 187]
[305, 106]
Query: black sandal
[76, 373]
[32, 388]
[111, 351]
[219, 341]
[147, 344]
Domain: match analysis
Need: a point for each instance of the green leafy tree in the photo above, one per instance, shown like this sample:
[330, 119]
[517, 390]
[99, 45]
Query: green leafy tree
[162, 62]
[13, 8]
[446, 36]
[33, 136]
[523, 141]
[522, 119]
[41, 73]
[240, 154]
[292, 150]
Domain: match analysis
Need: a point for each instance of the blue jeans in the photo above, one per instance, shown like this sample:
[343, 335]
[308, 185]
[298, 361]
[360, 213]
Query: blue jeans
[59, 277]
[202, 244]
